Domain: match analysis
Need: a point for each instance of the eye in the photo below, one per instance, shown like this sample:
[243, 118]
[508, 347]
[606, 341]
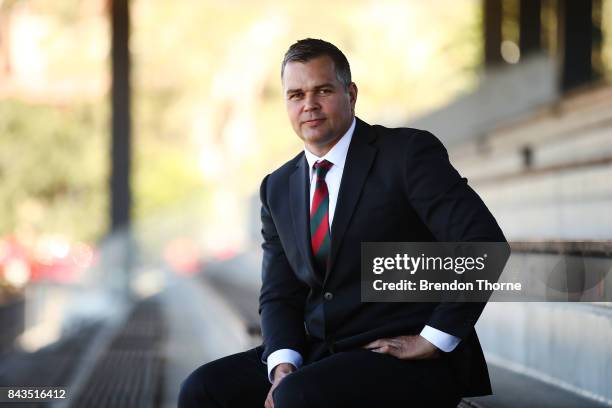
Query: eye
[324, 91]
[295, 96]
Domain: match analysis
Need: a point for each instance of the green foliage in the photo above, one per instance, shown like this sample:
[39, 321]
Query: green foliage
[53, 166]
[164, 175]
[205, 78]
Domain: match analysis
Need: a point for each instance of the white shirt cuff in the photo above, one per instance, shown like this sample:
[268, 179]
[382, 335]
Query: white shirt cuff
[444, 341]
[283, 356]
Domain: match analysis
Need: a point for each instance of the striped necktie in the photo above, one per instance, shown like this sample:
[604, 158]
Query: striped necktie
[320, 238]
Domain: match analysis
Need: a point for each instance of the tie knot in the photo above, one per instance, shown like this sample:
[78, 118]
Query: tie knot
[322, 167]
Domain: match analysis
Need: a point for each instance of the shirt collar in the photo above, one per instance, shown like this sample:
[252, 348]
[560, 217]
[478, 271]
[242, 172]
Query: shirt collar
[337, 154]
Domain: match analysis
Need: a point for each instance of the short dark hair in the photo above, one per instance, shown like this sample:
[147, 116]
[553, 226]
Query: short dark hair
[310, 48]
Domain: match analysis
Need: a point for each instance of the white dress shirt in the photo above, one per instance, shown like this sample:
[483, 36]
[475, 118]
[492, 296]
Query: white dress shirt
[337, 156]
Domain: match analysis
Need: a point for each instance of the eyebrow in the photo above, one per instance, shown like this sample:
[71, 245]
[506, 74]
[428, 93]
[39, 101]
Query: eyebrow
[325, 85]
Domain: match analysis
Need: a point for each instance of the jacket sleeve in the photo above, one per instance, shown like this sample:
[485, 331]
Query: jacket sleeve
[282, 296]
[453, 212]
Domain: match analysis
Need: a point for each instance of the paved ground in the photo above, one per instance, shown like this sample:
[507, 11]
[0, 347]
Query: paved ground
[201, 328]
[200, 325]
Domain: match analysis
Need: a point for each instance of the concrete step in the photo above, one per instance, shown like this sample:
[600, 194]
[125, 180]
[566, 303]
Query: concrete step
[512, 390]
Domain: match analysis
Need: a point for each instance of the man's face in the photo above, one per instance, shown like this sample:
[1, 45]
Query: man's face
[320, 108]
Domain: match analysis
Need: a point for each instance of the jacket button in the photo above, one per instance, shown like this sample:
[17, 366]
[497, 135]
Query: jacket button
[328, 296]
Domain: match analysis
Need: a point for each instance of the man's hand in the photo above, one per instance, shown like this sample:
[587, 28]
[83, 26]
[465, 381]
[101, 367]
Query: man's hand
[405, 347]
[278, 373]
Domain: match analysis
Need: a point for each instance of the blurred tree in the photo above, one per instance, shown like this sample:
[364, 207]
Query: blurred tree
[53, 169]
[208, 112]
[6, 7]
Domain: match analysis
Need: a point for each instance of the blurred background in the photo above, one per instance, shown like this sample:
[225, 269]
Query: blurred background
[134, 136]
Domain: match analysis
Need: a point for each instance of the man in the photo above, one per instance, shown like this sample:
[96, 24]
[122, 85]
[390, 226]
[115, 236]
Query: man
[352, 183]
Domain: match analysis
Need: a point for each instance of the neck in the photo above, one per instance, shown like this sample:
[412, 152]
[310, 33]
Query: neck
[321, 150]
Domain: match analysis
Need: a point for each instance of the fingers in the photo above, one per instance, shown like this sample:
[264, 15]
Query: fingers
[269, 401]
[391, 350]
[395, 342]
[399, 347]
[385, 349]
[376, 344]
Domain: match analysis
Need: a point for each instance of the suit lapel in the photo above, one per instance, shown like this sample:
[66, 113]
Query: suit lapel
[359, 159]
[356, 168]
[299, 188]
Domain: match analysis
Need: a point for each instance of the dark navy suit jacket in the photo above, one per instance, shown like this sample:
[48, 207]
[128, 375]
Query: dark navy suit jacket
[397, 185]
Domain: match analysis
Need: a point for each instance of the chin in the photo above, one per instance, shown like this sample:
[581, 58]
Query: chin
[317, 141]
[318, 135]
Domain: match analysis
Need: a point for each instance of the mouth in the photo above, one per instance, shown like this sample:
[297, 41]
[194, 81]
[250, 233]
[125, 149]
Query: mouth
[313, 122]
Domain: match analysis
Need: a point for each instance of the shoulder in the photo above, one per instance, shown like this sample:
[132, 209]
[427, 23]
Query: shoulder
[286, 169]
[405, 136]
[281, 174]
[406, 140]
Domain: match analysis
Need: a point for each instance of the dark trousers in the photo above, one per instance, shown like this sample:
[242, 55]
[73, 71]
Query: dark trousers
[358, 378]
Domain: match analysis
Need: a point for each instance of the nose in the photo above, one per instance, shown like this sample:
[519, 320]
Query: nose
[310, 102]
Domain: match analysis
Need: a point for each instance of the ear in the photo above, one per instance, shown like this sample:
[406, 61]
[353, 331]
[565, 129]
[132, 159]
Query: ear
[352, 91]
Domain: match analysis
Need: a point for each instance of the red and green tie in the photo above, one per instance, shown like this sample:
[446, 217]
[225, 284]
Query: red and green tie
[320, 238]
